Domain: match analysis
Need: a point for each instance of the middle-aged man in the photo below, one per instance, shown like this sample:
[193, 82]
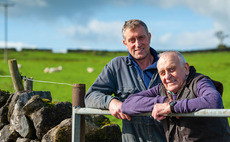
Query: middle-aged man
[182, 90]
[127, 75]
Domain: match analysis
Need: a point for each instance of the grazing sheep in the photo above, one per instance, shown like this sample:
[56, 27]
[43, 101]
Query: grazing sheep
[90, 69]
[52, 69]
[19, 66]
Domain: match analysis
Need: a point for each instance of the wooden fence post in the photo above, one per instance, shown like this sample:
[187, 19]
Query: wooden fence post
[28, 83]
[78, 121]
[78, 95]
[15, 75]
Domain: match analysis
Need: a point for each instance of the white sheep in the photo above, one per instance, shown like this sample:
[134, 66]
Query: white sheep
[90, 69]
[19, 66]
[52, 69]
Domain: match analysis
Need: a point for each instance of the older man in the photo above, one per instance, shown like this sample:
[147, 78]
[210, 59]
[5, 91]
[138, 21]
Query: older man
[182, 90]
[127, 75]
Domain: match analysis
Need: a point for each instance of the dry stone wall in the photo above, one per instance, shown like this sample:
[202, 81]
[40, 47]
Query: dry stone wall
[33, 117]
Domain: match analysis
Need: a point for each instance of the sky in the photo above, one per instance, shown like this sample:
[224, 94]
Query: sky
[60, 25]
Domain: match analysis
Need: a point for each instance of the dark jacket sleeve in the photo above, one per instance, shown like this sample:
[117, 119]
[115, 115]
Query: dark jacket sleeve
[100, 93]
[142, 102]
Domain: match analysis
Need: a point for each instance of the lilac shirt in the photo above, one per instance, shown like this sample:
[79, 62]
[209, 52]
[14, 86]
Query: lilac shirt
[208, 98]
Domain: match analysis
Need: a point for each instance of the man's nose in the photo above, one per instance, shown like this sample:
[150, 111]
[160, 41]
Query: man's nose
[168, 75]
[138, 43]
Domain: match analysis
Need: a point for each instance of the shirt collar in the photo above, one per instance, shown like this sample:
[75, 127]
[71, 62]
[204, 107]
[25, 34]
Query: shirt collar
[154, 53]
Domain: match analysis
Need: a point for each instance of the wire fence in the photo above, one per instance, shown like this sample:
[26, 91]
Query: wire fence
[5, 76]
[42, 81]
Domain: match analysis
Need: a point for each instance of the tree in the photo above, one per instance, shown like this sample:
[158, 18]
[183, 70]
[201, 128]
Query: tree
[221, 36]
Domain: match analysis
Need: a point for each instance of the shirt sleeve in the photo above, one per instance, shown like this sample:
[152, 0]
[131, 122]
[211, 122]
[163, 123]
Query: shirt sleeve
[208, 98]
[142, 102]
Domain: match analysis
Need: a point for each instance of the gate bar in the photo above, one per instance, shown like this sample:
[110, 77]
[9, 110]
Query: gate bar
[200, 113]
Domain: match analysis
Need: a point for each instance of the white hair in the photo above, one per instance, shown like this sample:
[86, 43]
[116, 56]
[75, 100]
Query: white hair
[179, 55]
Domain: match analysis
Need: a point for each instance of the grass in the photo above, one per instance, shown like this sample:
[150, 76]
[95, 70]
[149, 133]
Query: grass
[74, 71]
[213, 64]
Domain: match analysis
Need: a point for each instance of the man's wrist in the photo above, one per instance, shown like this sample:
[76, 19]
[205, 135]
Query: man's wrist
[172, 104]
[166, 100]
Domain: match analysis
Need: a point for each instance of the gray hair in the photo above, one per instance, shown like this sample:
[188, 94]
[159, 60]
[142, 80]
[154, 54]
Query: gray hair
[179, 55]
[132, 24]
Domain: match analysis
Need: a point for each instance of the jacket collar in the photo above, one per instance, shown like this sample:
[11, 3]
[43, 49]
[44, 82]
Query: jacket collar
[153, 52]
[192, 73]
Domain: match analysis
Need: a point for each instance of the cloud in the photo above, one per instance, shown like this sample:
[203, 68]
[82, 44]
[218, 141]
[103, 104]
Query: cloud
[199, 39]
[75, 8]
[17, 45]
[187, 41]
[52, 10]
[217, 9]
[82, 27]
[82, 12]
[34, 3]
[165, 38]
[95, 30]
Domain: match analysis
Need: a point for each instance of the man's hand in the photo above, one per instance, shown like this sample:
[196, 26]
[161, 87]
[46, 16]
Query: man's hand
[115, 110]
[159, 110]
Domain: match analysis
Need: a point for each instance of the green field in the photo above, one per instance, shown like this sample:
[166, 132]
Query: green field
[214, 64]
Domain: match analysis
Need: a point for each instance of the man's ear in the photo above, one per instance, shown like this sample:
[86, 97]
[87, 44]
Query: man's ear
[124, 42]
[186, 67]
[149, 37]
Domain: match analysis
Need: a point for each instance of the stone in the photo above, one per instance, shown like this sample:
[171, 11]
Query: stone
[34, 104]
[3, 97]
[22, 124]
[3, 117]
[48, 117]
[95, 122]
[24, 97]
[26, 140]
[108, 133]
[8, 134]
[3, 113]
[23, 140]
[98, 128]
[19, 121]
[60, 133]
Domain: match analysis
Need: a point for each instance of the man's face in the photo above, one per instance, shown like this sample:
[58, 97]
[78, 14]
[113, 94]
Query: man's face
[171, 72]
[137, 42]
